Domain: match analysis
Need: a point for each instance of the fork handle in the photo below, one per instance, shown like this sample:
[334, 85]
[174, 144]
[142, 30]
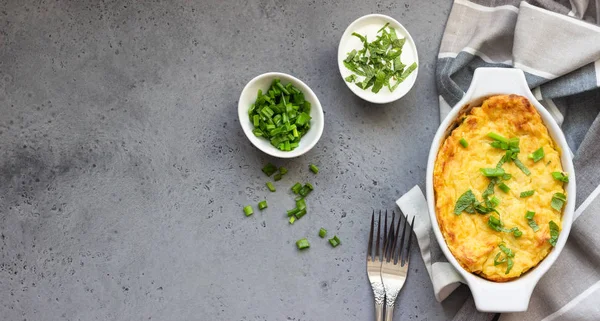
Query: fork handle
[379, 312]
[389, 313]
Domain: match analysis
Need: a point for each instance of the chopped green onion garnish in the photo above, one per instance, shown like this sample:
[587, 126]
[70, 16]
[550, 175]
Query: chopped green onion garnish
[506, 176]
[302, 244]
[495, 201]
[322, 232]
[537, 155]
[527, 193]
[305, 190]
[495, 223]
[508, 255]
[313, 168]
[334, 241]
[497, 137]
[559, 176]
[529, 216]
[554, 231]
[466, 203]
[271, 187]
[281, 115]
[558, 201]
[277, 177]
[492, 172]
[309, 185]
[463, 142]
[300, 213]
[300, 204]
[522, 167]
[378, 61]
[292, 219]
[262, 205]
[283, 170]
[296, 188]
[248, 210]
[293, 212]
[504, 187]
[269, 169]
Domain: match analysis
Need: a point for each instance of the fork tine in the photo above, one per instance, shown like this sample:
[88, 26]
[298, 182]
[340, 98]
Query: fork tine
[370, 248]
[390, 240]
[401, 250]
[385, 234]
[396, 254]
[377, 257]
[409, 238]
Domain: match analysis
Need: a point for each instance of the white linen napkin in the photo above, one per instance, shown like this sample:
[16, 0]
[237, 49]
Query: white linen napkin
[443, 275]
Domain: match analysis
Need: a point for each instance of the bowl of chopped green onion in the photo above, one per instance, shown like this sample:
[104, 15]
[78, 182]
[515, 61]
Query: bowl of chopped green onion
[280, 115]
[378, 59]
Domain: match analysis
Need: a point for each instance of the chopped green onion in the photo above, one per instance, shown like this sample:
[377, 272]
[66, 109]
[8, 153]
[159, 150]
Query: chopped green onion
[269, 169]
[527, 193]
[495, 223]
[248, 210]
[559, 176]
[283, 170]
[296, 188]
[271, 187]
[292, 219]
[495, 201]
[499, 145]
[463, 142]
[293, 212]
[300, 213]
[558, 201]
[334, 241]
[277, 177]
[300, 204]
[350, 78]
[322, 232]
[309, 185]
[262, 205]
[554, 231]
[492, 172]
[314, 168]
[466, 203]
[537, 155]
[506, 176]
[305, 190]
[302, 244]
[529, 216]
[497, 137]
[504, 187]
[521, 166]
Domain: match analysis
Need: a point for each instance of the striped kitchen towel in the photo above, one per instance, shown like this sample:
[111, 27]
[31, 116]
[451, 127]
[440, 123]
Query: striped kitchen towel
[557, 45]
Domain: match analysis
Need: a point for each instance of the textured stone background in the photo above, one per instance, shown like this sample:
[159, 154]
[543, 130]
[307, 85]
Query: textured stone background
[123, 168]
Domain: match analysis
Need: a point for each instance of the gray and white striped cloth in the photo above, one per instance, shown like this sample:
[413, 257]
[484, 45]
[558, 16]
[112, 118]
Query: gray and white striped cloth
[557, 45]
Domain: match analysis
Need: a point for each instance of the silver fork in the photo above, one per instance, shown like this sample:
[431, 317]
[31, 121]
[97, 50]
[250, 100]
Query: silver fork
[374, 266]
[394, 267]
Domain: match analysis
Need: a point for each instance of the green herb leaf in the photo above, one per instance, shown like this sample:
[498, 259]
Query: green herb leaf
[558, 201]
[495, 223]
[527, 193]
[465, 202]
[559, 176]
[554, 232]
[537, 155]
[508, 257]
[529, 216]
[492, 172]
[351, 78]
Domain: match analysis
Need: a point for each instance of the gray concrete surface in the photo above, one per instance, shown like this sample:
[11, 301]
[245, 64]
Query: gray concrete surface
[123, 168]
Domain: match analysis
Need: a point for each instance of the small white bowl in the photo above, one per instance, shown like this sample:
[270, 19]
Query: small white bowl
[263, 82]
[369, 25]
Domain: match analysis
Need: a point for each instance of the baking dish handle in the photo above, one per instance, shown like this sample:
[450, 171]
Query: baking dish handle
[502, 297]
[493, 81]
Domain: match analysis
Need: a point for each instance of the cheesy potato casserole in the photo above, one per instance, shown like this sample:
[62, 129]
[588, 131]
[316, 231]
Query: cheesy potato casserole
[498, 185]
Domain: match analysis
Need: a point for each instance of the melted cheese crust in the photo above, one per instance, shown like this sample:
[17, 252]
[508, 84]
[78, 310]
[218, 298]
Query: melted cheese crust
[472, 242]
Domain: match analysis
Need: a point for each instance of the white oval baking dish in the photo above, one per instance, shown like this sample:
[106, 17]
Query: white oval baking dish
[512, 296]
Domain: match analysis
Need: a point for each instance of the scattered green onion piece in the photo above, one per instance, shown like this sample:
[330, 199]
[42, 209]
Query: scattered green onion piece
[495, 201]
[537, 155]
[300, 213]
[314, 168]
[302, 244]
[506, 176]
[322, 232]
[504, 187]
[527, 193]
[300, 204]
[262, 205]
[529, 216]
[334, 241]
[293, 212]
[521, 166]
[309, 185]
[558, 201]
[283, 170]
[296, 188]
[277, 177]
[559, 176]
[554, 232]
[248, 210]
[508, 256]
[292, 219]
[271, 187]
[463, 142]
[492, 172]
[305, 190]
[494, 223]
[269, 169]
[497, 137]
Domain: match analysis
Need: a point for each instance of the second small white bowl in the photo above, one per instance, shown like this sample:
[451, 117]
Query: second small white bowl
[369, 25]
[263, 82]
